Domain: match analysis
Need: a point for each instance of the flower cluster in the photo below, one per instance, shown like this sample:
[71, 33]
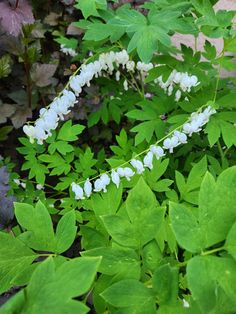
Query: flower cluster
[49, 118]
[107, 63]
[68, 51]
[195, 124]
[184, 80]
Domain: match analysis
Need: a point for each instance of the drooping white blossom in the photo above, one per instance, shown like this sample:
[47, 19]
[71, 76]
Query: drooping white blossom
[137, 165]
[115, 178]
[79, 192]
[148, 160]
[157, 151]
[196, 121]
[88, 188]
[170, 143]
[126, 172]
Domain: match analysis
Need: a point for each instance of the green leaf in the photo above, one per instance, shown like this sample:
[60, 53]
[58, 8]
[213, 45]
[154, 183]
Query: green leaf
[217, 206]
[210, 223]
[107, 203]
[100, 31]
[145, 40]
[61, 146]
[5, 66]
[145, 131]
[228, 133]
[165, 284]
[15, 257]
[186, 227]
[143, 210]
[230, 45]
[90, 7]
[37, 221]
[213, 131]
[121, 230]
[70, 280]
[117, 260]
[70, 133]
[230, 243]
[65, 232]
[91, 238]
[131, 294]
[196, 174]
[152, 255]
[212, 283]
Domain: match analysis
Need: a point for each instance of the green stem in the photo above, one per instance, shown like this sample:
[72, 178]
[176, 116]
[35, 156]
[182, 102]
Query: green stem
[213, 251]
[221, 152]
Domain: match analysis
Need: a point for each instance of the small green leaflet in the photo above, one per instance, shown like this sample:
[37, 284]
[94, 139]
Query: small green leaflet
[90, 7]
[70, 133]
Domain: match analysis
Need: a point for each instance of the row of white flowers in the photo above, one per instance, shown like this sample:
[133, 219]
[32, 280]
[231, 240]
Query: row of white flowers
[107, 63]
[195, 123]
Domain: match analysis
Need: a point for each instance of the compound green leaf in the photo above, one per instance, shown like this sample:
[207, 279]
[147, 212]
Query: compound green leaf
[51, 289]
[37, 221]
[69, 132]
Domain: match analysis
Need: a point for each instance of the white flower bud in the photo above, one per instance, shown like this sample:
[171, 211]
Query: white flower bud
[148, 159]
[79, 192]
[138, 165]
[157, 151]
[115, 178]
[87, 188]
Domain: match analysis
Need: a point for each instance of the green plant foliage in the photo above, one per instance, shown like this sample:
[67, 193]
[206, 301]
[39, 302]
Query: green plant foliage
[40, 234]
[162, 241]
[79, 275]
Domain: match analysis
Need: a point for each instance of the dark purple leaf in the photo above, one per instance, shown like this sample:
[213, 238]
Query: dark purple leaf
[13, 18]
[6, 210]
[4, 176]
[6, 202]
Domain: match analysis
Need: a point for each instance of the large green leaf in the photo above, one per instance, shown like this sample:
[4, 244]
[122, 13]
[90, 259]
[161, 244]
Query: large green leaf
[212, 282]
[197, 229]
[186, 227]
[165, 284]
[143, 210]
[230, 243]
[107, 203]
[51, 289]
[15, 257]
[217, 206]
[121, 230]
[117, 260]
[131, 294]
